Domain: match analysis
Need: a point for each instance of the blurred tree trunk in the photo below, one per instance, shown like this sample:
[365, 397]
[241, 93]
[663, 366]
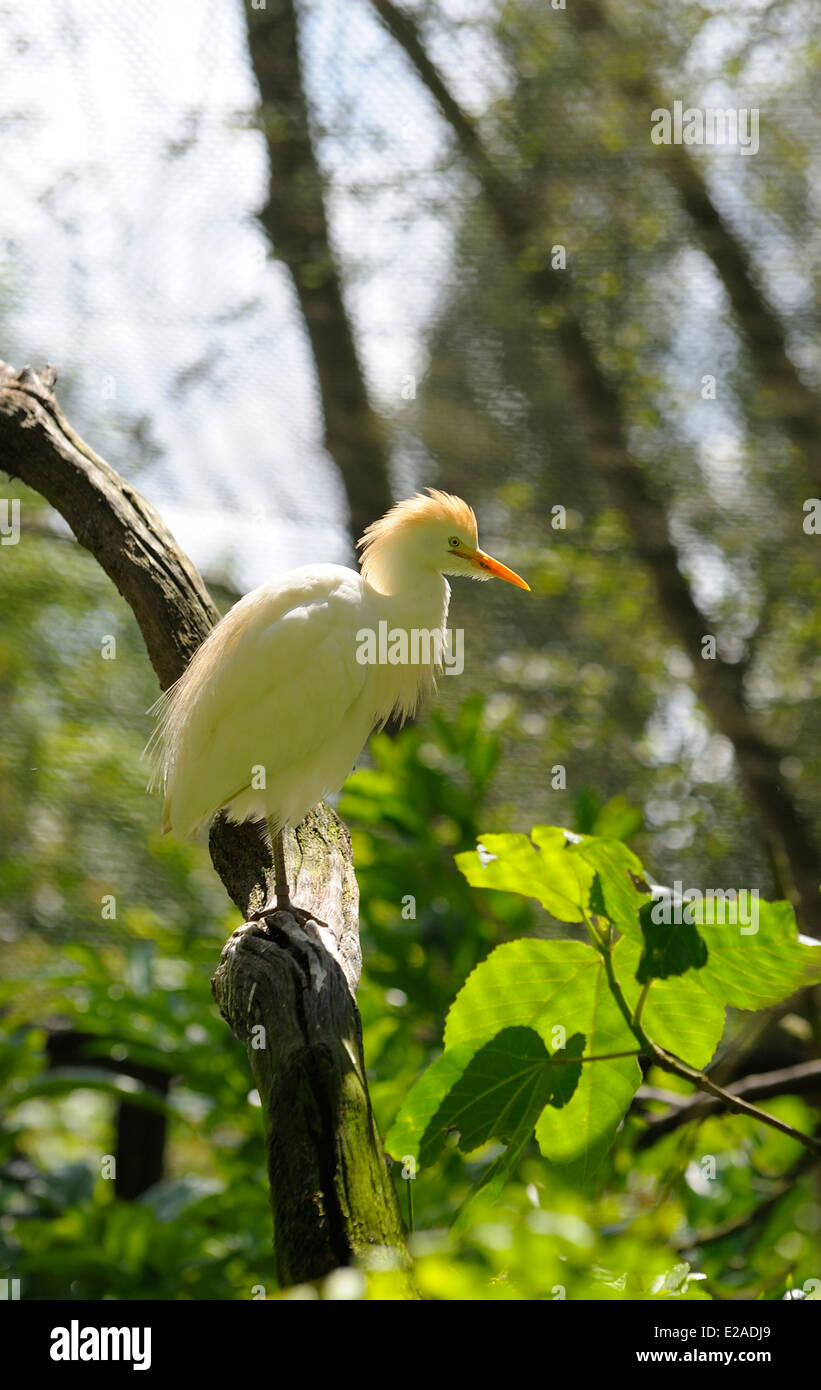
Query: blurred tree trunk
[294, 218]
[788, 835]
[140, 1132]
[786, 396]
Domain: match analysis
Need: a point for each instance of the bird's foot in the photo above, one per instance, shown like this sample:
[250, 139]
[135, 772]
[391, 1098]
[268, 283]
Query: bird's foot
[299, 914]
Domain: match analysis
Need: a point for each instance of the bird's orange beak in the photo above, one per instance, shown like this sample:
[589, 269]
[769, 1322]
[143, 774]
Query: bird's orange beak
[487, 562]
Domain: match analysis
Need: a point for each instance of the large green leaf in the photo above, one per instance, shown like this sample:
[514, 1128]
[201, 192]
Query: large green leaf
[559, 989]
[567, 873]
[680, 1014]
[563, 1078]
[537, 867]
[529, 983]
[473, 1088]
[756, 970]
[612, 879]
[424, 1099]
[580, 1136]
[499, 1095]
[550, 985]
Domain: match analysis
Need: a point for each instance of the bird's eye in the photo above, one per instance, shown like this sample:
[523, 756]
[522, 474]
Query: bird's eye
[454, 542]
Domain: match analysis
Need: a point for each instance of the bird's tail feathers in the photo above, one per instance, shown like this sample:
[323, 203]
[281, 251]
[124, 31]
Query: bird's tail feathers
[158, 748]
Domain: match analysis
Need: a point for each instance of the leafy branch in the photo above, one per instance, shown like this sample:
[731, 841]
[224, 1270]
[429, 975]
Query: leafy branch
[676, 1067]
[654, 973]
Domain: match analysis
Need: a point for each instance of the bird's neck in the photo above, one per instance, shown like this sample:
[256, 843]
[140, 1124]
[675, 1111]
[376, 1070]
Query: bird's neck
[411, 635]
[421, 601]
[410, 595]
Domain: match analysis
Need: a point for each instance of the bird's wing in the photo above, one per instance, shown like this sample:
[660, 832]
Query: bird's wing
[265, 691]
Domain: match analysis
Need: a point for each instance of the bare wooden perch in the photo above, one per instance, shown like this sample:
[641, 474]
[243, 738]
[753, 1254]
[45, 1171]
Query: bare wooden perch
[332, 1196]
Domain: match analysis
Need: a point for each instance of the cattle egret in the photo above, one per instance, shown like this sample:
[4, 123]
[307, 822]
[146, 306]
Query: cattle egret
[276, 705]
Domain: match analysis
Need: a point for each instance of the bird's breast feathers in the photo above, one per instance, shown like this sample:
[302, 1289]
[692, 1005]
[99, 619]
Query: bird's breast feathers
[276, 704]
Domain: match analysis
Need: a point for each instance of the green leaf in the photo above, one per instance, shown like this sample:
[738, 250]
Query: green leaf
[670, 948]
[537, 867]
[567, 874]
[613, 880]
[547, 985]
[564, 1079]
[423, 1100]
[528, 983]
[617, 819]
[680, 1014]
[675, 1281]
[579, 1137]
[499, 1095]
[754, 970]
[413, 1125]
[566, 1076]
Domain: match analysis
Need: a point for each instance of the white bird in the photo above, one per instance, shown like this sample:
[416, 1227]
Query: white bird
[274, 708]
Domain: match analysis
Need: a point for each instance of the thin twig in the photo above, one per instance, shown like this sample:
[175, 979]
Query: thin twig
[802, 1079]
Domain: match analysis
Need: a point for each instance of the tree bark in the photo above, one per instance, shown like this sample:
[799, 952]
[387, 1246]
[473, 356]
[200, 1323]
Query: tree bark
[331, 1190]
[787, 832]
[288, 994]
[295, 220]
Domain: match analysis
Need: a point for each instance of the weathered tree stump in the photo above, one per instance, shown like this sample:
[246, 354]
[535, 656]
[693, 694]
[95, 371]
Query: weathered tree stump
[287, 992]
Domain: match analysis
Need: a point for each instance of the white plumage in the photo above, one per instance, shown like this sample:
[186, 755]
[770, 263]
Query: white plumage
[275, 707]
